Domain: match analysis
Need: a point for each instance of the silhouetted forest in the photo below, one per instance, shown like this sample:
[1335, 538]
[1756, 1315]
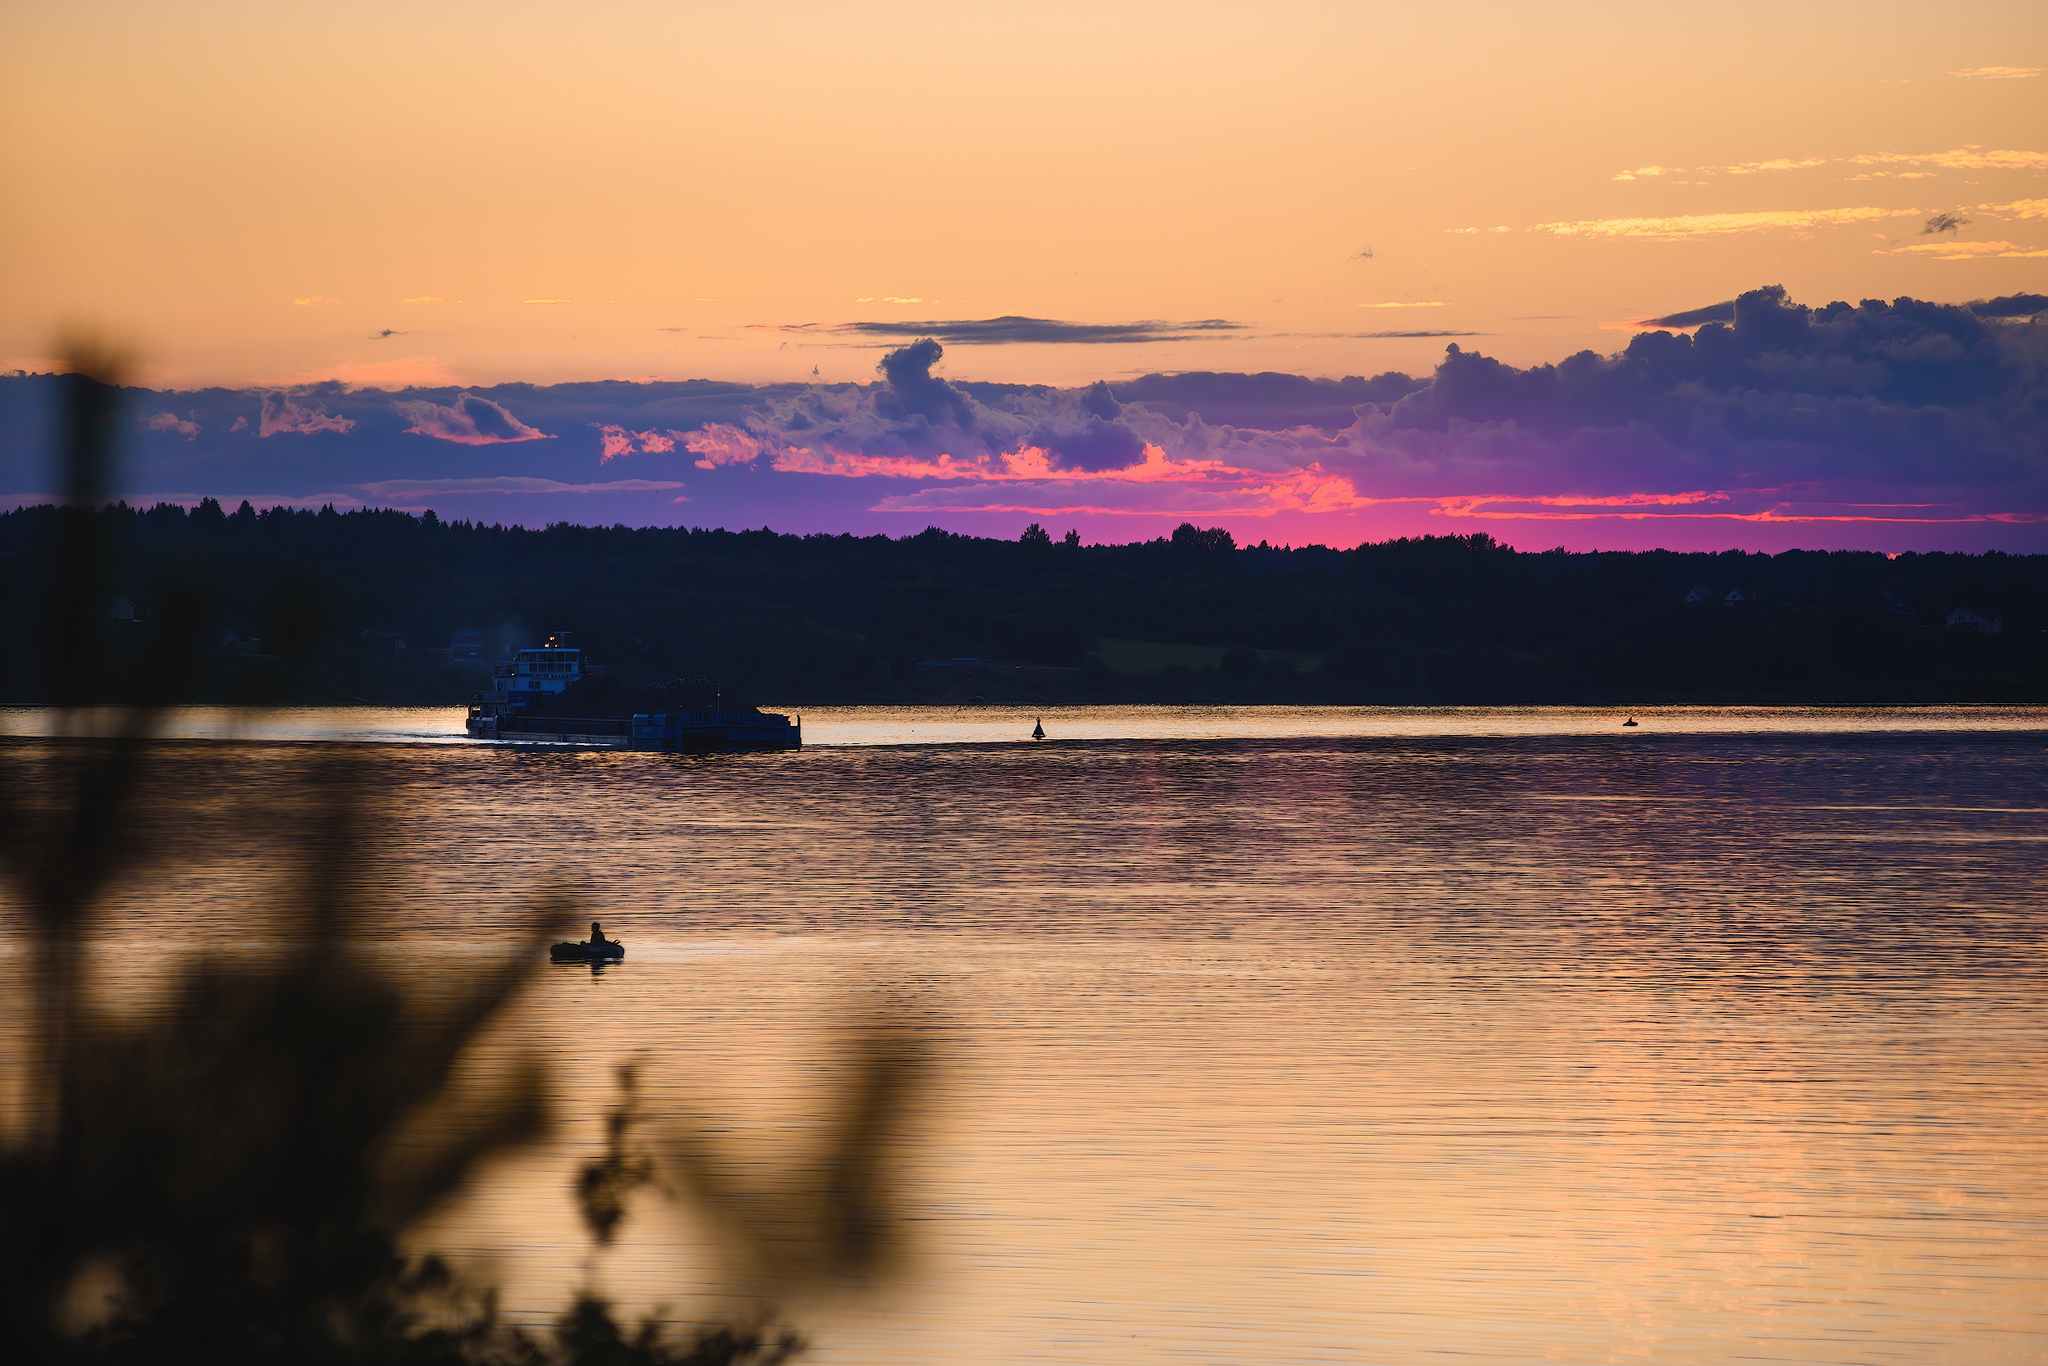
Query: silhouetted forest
[333, 607]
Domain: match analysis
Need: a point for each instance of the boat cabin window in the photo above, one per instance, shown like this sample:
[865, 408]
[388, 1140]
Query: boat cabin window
[556, 662]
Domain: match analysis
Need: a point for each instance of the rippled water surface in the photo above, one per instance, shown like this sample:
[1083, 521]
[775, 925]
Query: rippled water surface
[1270, 1035]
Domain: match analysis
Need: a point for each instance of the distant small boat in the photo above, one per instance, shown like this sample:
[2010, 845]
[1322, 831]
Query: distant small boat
[1037, 729]
[1630, 722]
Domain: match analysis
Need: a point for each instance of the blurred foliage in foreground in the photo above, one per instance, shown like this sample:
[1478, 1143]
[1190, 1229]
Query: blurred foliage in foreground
[232, 1179]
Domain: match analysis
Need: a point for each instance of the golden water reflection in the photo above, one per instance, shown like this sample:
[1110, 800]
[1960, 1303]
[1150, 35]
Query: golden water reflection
[1551, 1047]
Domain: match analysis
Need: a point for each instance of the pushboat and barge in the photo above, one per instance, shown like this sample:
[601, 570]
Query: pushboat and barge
[552, 695]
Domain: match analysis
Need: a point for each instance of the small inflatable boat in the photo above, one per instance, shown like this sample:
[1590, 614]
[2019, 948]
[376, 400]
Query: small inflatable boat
[611, 951]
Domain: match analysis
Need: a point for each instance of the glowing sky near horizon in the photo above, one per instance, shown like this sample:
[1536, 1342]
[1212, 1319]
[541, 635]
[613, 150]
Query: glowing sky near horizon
[263, 196]
[470, 193]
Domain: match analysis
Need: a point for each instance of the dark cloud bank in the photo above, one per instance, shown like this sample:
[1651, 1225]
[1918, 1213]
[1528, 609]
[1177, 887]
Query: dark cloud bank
[1903, 414]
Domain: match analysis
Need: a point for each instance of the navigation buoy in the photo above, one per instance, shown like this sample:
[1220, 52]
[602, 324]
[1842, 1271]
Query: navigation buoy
[1037, 729]
[1630, 722]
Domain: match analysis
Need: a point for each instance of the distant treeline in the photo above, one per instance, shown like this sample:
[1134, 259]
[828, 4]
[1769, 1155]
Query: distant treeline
[317, 604]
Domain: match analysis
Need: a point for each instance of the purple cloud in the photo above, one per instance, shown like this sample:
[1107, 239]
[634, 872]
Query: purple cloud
[1886, 425]
[414, 488]
[469, 421]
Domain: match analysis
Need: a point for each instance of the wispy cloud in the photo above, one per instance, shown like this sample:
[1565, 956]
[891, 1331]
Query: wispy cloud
[1997, 73]
[1774, 164]
[1968, 158]
[2018, 208]
[1733, 168]
[543, 301]
[1014, 330]
[1372, 336]
[1972, 157]
[424, 299]
[1467, 232]
[413, 488]
[1943, 222]
[1966, 251]
[470, 421]
[1570, 505]
[1719, 224]
[1760, 505]
[314, 301]
[1425, 303]
[387, 332]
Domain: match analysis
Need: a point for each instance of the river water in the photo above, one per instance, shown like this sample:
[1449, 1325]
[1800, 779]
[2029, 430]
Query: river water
[1265, 1035]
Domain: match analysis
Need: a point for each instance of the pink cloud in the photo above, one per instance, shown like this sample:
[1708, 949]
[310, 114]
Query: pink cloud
[720, 443]
[853, 465]
[171, 422]
[469, 421]
[1025, 481]
[615, 441]
[1025, 464]
[283, 414]
[1481, 505]
[1763, 505]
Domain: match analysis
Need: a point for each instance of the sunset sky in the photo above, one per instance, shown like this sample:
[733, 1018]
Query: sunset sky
[450, 196]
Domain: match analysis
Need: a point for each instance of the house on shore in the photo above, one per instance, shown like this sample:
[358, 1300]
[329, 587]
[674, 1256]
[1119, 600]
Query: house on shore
[1973, 619]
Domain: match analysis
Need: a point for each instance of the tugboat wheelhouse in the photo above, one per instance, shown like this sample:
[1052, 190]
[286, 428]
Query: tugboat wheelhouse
[552, 694]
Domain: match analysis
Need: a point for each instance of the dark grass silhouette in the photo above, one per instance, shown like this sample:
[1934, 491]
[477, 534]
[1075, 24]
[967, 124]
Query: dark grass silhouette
[229, 1171]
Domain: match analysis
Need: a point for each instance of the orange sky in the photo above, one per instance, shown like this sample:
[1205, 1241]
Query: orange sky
[260, 193]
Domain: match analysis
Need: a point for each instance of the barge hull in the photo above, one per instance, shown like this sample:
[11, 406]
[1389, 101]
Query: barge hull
[658, 734]
[688, 733]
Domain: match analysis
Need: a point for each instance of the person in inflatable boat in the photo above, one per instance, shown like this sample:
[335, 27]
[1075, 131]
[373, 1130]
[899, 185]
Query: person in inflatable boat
[597, 939]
